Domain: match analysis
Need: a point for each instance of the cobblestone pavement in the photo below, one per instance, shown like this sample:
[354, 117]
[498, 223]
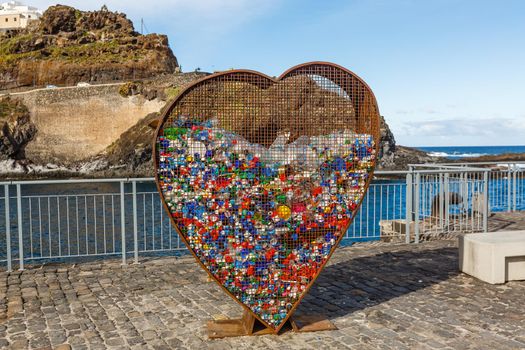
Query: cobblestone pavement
[380, 296]
[507, 221]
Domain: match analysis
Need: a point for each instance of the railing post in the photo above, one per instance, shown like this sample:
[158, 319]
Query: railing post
[7, 229]
[514, 187]
[135, 230]
[485, 201]
[408, 206]
[509, 189]
[123, 221]
[416, 205]
[20, 227]
[446, 189]
[441, 201]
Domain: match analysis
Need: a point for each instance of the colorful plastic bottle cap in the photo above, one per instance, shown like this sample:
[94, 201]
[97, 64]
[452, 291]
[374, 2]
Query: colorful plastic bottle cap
[284, 212]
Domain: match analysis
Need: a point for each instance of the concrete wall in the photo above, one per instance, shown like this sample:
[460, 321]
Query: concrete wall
[76, 123]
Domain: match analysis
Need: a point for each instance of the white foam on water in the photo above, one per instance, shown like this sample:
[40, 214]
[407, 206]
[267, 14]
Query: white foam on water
[456, 155]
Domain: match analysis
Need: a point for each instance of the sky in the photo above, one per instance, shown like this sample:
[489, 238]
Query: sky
[444, 72]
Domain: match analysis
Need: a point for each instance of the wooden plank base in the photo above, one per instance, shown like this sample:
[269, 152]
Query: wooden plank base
[249, 325]
[246, 325]
[311, 323]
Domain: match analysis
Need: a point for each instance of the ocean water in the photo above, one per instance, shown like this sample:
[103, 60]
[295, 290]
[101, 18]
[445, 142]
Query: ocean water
[457, 152]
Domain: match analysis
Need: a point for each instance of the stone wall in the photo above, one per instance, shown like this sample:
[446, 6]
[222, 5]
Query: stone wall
[79, 122]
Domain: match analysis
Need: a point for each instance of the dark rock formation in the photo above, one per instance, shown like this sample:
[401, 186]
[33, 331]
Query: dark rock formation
[17, 129]
[61, 18]
[395, 157]
[387, 146]
[133, 148]
[68, 46]
[130, 154]
[403, 156]
[58, 19]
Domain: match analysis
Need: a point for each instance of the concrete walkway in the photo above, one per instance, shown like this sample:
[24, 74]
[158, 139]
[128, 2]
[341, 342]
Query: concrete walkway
[380, 296]
[30, 90]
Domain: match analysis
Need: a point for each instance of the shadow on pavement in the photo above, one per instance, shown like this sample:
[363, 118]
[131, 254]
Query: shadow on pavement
[365, 281]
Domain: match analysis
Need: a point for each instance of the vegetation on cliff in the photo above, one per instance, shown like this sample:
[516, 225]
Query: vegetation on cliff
[68, 46]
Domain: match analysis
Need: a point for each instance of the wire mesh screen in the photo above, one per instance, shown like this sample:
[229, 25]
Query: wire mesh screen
[262, 177]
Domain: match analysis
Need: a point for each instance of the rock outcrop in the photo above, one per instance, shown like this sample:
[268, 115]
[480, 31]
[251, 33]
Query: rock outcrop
[130, 154]
[387, 146]
[403, 156]
[68, 46]
[17, 129]
[395, 157]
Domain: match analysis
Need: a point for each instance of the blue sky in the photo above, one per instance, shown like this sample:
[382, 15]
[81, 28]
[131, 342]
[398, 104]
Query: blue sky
[445, 72]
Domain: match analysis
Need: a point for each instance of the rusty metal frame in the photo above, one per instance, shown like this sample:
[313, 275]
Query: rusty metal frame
[367, 120]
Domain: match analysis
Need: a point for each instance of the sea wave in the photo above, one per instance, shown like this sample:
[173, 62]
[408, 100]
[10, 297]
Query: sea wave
[456, 154]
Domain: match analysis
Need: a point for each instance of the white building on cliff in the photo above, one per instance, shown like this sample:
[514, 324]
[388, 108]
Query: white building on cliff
[15, 15]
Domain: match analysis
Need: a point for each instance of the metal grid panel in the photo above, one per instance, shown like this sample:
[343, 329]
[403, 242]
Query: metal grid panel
[263, 177]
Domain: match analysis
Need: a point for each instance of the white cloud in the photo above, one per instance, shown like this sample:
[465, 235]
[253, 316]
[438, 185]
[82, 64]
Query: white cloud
[404, 111]
[419, 111]
[429, 110]
[488, 131]
[498, 127]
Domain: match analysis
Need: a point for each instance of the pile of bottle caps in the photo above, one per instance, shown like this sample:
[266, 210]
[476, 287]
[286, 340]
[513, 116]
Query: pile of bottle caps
[262, 220]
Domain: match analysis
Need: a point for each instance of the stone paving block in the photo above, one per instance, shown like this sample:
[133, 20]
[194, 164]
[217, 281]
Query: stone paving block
[380, 296]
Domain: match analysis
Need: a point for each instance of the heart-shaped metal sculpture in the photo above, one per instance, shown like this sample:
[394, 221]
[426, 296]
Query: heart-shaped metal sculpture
[262, 177]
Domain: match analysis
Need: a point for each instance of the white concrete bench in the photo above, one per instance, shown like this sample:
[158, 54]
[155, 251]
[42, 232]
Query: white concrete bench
[495, 257]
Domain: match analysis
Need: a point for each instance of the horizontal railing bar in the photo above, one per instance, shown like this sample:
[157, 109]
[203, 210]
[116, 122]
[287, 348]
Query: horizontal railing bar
[440, 166]
[488, 163]
[72, 181]
[70, 256]
[450, 171]
[391, 172]
[71, 195]
[48, 257]
[182, 248]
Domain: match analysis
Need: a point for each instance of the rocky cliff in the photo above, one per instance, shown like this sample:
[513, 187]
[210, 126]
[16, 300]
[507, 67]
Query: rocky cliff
[68, 46]
[77, 123]
[17, 129]
[387, 147]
